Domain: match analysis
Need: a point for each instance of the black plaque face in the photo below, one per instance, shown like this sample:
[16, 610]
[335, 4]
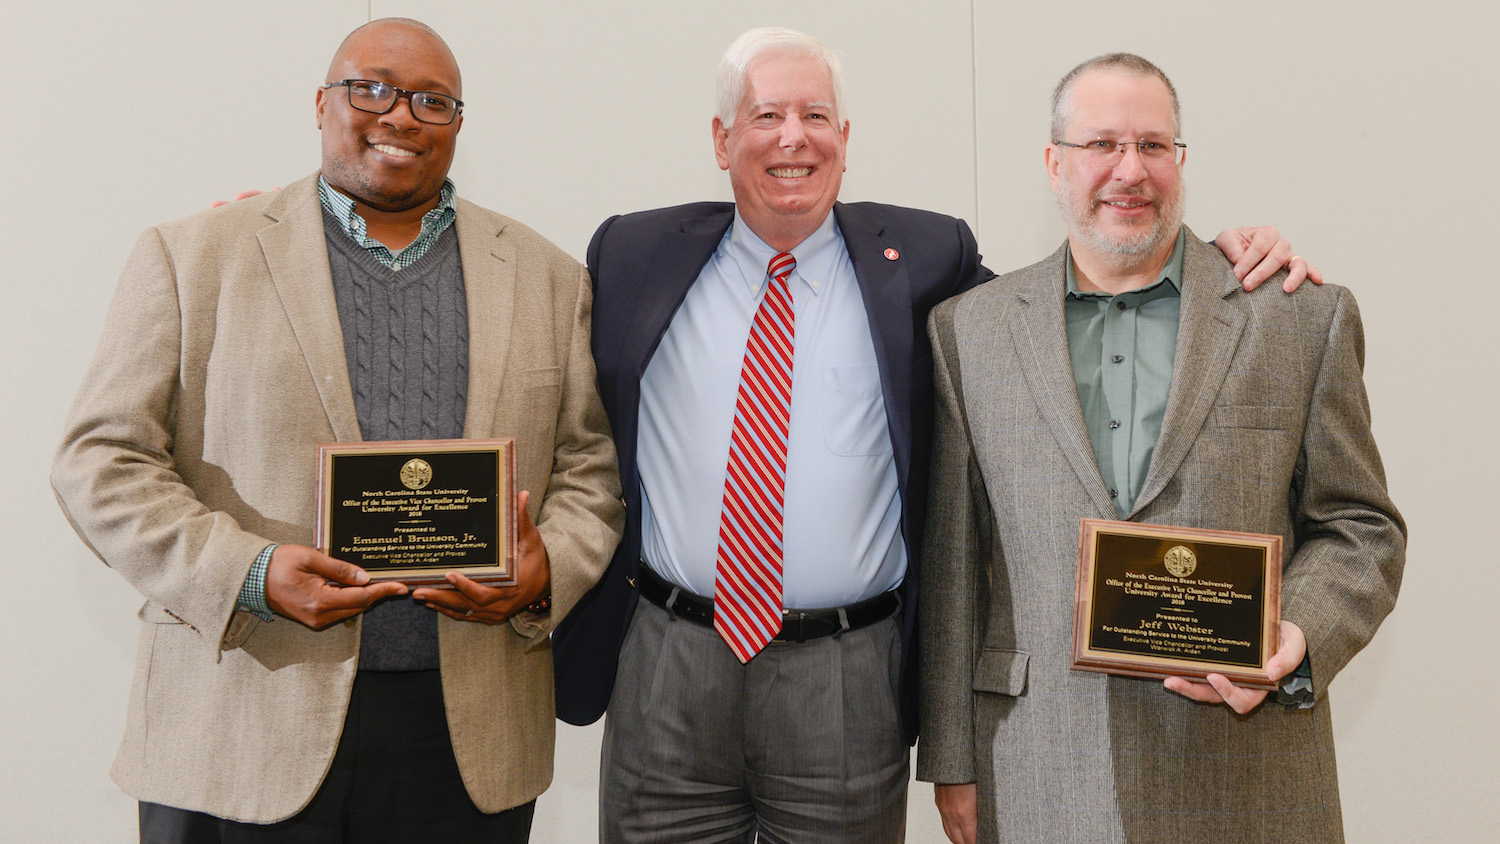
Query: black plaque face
[413, 510]
[1159, 601]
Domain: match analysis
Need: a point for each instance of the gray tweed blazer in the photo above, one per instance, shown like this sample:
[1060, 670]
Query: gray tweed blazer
[1267, 429]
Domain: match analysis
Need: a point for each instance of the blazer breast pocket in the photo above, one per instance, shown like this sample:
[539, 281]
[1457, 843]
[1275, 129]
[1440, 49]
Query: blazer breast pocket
[1256, 417]
[529, 399]
[1243, 451]
[547, 377]
[854, 423]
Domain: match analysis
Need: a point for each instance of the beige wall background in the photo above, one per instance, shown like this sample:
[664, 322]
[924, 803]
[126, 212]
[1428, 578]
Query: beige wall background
[1365, 131]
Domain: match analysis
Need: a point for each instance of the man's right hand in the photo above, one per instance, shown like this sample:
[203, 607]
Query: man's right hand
[959, 807]
[314, 589]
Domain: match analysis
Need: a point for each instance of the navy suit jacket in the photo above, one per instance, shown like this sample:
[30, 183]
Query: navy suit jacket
[906, 261]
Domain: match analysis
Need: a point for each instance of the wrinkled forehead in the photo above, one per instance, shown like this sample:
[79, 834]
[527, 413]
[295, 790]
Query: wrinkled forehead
[1114, 103]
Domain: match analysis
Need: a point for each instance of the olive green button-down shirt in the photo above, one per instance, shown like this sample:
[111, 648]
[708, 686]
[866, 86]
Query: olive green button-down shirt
[1121, 348]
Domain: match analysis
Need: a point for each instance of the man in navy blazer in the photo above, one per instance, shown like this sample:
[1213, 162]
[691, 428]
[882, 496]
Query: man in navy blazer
[808, 738]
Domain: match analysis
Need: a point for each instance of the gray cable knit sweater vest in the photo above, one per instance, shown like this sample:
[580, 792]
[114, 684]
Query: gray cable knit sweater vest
[406, 340]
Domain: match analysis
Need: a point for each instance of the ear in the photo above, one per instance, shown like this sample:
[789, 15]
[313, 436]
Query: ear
[844, 142]
[1053, 158]
[318, 104]
[721, 143]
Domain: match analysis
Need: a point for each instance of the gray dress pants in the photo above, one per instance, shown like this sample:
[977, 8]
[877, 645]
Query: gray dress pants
[801, 744]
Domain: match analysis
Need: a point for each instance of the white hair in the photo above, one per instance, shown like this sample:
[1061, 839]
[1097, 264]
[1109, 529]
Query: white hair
[735, 65]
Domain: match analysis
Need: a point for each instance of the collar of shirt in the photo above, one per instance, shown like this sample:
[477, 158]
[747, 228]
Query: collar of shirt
[1171, 274]
[434, 223]
[817, 256]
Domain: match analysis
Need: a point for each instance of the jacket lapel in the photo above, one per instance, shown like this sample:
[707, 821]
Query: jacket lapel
[296, 252]
[1208, 332]
[1041, 340]
[489, 268]
[677, 258]
[885, 288]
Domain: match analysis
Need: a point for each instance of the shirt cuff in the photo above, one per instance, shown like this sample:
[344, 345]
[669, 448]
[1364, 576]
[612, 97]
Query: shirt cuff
[253, 594]
[1296, 690]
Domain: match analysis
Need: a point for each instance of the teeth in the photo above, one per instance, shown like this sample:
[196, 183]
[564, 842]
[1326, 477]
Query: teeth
[397, 151]
[790, 172]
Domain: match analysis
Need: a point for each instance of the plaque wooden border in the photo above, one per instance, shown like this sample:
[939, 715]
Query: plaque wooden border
[1086, 657]
[491, 568]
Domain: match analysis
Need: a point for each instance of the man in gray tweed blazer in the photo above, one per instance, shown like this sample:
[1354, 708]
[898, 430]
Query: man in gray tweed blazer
[1129, 376]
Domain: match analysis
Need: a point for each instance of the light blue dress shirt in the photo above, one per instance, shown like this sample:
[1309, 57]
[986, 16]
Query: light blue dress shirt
[842, 521]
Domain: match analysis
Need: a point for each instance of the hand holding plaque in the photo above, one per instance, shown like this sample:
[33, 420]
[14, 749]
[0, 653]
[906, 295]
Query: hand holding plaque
[1162, 601]
[484, 603]
[1218, 689]
[413, 510]
[314, 589]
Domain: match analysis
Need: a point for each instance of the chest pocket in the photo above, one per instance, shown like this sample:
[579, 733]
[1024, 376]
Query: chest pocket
[1255, 417]
[854, 423]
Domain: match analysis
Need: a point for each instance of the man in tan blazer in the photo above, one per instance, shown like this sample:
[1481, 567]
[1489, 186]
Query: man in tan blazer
[1130, 376]
[241, 337]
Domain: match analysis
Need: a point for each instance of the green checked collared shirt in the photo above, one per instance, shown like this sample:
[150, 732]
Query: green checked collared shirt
[434, 223]
[253, 594]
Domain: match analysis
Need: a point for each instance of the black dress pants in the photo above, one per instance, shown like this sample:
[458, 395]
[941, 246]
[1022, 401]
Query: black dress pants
[393, 779]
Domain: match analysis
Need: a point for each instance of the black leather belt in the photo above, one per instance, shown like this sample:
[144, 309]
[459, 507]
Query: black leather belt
[796, 625]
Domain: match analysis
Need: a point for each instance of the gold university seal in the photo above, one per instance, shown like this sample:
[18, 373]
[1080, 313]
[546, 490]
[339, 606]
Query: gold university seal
[416, 473]
[1180, 561]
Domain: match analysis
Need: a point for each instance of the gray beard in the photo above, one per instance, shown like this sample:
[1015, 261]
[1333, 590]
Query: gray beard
[1137, 245]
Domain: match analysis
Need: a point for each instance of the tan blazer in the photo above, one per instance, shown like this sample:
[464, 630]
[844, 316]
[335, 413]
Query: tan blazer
[1267, 429]
[190, 447]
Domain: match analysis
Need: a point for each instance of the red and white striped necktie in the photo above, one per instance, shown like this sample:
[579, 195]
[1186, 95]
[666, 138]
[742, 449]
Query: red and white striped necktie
[747, 588]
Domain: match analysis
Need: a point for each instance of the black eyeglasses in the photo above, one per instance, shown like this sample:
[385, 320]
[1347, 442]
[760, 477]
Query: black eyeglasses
[1106, 152]
[379, 98]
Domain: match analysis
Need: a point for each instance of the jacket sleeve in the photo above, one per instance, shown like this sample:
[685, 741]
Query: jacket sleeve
[581, 517]
[115, 474]
[955, 557]
[1343, 577]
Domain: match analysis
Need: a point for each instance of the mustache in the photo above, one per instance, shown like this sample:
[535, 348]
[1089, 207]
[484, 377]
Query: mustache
[1111, 194]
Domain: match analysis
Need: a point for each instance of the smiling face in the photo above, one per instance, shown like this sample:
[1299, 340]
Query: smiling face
[1119, 211]
[390, 162]
[784, 152]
